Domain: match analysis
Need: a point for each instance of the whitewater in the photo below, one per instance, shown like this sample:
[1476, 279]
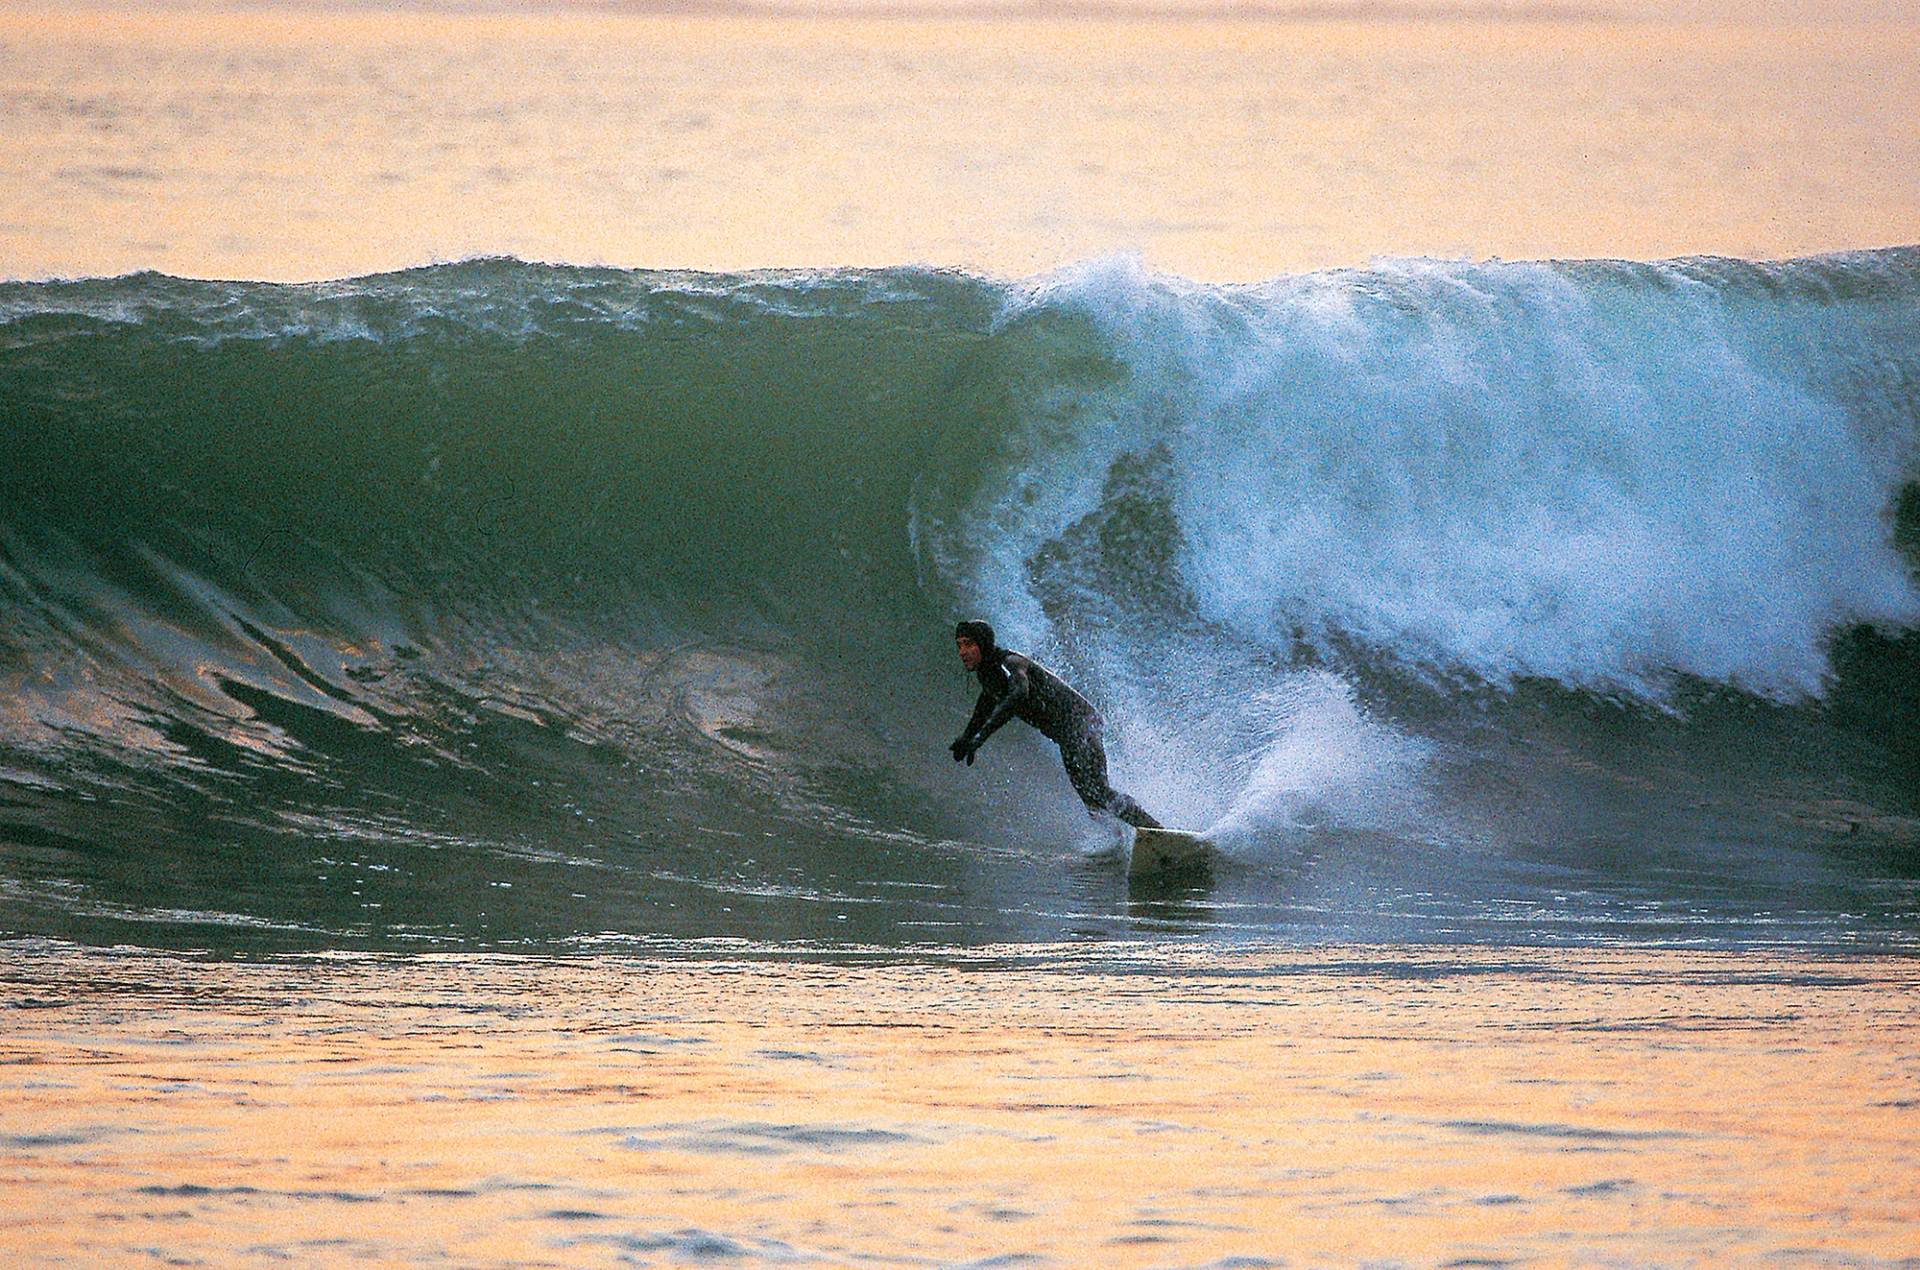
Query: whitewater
[503, 604]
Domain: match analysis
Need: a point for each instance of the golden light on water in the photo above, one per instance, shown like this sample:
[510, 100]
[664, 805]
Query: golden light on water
[1419, 1105]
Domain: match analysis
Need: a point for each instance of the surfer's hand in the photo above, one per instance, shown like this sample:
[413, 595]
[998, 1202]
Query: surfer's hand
[963, 748]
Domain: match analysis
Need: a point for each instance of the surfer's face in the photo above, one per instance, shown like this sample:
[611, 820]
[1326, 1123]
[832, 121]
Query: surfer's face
[969, 652]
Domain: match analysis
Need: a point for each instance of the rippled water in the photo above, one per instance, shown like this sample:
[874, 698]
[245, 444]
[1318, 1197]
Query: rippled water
[1134, 1105]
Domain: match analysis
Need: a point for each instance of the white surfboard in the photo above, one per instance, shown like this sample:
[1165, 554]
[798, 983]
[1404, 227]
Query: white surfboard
[1167, 851]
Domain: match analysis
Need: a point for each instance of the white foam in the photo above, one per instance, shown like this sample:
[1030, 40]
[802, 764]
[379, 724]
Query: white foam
[1600, 476]
[1324, 763]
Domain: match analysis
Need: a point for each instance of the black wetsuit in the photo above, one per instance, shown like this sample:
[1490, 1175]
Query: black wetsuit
[1013, 685]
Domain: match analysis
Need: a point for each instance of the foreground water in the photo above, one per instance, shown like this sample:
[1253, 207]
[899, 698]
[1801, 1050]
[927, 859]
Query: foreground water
[1132, 1105]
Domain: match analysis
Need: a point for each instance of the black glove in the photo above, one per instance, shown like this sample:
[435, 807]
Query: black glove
[963, 748]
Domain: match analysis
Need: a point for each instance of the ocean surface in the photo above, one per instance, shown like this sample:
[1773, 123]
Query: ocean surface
[485, 495]
[497, 605]
[1152, 1106]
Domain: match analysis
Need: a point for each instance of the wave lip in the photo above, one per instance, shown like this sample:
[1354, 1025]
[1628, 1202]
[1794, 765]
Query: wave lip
[1598, 473]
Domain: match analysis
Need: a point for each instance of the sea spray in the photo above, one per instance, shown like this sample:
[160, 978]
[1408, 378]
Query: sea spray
[1598, 474]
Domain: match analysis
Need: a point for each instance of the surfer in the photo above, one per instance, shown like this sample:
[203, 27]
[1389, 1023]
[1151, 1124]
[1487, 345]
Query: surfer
[1013, 685]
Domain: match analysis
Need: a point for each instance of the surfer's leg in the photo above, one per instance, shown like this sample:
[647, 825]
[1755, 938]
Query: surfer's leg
[1086, 763]
[1133, 813]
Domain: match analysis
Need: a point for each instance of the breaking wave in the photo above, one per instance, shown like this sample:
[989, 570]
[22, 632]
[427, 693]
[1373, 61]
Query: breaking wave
[647, 579]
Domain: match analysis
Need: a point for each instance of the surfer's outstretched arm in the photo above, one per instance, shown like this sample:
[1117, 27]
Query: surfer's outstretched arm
[1018, 685]
[981, 709]
[964, 745]
[996, 709]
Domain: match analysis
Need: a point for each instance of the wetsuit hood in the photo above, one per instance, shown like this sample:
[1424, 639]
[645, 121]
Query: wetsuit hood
[980, 633]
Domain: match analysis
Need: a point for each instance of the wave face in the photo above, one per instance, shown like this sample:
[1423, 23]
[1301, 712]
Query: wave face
[502, 603]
